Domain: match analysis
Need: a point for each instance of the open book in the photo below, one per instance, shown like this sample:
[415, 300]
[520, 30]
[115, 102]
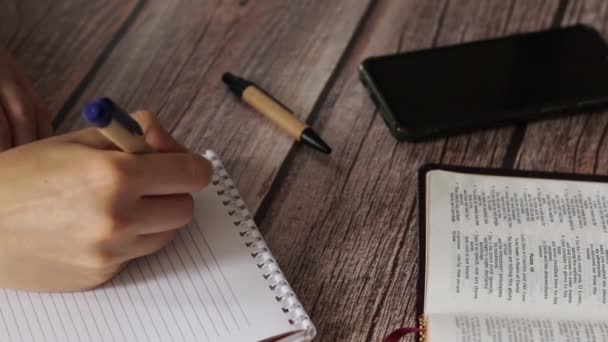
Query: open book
[217, 281]
[513, 256]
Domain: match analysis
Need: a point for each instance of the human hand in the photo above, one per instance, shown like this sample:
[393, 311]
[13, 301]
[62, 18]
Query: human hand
[23, 117]
[74, 210]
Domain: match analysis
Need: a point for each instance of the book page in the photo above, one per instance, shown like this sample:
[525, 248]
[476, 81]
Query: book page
[507, 244]
[495, 328]
[204, 286]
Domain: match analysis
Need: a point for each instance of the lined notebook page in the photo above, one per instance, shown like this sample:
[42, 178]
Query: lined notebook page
[205, 286]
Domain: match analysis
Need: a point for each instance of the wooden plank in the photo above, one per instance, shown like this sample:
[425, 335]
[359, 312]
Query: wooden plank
[344, 228]
[172, 60]
[55, 43]
[575, 143]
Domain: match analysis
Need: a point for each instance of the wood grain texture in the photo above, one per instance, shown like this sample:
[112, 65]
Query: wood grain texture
[58, 42]
[172, 59]
[575, 143]
[345, 228]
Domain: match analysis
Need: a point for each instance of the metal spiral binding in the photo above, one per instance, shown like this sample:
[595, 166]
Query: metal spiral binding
[258, 249]
[422, 325]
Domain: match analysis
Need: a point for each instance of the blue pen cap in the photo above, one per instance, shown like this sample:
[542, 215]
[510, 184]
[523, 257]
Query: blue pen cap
[98, 112]
[102, 111]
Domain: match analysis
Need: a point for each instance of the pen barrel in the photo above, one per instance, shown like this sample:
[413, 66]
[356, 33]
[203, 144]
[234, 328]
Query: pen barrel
[124, 139]
[274, 111]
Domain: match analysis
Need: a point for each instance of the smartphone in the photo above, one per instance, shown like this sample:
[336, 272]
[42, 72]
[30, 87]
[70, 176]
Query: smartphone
[489, 83]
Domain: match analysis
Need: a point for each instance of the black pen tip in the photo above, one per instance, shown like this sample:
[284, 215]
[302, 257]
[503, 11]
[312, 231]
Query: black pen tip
[228, 78]
[236, 84]
[312, 139]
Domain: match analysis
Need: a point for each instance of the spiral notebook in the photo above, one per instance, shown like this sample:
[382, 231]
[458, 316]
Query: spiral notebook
[217, 281]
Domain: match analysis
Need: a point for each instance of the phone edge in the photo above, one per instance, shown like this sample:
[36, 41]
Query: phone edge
[397, 130]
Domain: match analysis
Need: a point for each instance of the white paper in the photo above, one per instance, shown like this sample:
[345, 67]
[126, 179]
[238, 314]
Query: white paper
[513, 245]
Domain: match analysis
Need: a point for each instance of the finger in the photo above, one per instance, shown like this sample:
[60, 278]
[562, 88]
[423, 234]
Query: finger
[155, 214]
[19, 111]
[156, 136]
[168, 173]
[5, 132]
[149, 244]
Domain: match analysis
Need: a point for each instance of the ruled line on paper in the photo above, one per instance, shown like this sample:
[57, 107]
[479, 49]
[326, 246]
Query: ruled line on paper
[133, 307]
[89, 314]
[146, 309]
[54, 317]
[120, 322]
[193, 319]
[198, 295]
[166, 283]
[83, 326]
[199, 284]
[48, 323]
[95, 298]
[154, 311]
[208, 267]
[5, 332]
[125, 316]
[162, 298]
[182, 293]
[22, 313]
[74, 329]
[224, 278]
[29, 306]
[178, 275]
[208, 293]
[109, 314]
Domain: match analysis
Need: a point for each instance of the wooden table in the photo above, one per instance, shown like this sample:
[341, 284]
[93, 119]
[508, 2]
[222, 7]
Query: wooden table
[343, 227]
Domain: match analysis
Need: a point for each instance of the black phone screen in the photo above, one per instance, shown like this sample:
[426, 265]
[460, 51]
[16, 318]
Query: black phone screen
[501, 80]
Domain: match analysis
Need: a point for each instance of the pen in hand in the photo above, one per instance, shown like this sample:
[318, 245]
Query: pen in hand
[116, 125]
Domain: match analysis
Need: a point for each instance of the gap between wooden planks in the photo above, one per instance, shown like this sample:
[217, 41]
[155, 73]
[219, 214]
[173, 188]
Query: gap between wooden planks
[172, 58]
[59, 42]
[349, 241]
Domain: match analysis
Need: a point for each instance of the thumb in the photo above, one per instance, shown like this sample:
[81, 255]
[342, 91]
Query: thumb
[156, 136]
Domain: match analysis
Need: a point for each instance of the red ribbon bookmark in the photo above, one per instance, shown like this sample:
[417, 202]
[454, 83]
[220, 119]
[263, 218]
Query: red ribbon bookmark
[396, 335]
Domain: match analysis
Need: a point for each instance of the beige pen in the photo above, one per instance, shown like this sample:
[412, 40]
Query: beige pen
[275, 112]
[116, 125]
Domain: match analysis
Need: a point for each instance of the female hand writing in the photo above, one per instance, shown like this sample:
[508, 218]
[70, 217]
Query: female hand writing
[74, 210]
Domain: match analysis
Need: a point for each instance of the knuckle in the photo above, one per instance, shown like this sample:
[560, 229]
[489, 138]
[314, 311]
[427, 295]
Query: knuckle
[114, 224]
[98, 259]
[110, 169]
[109, 225]
[117, 182]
